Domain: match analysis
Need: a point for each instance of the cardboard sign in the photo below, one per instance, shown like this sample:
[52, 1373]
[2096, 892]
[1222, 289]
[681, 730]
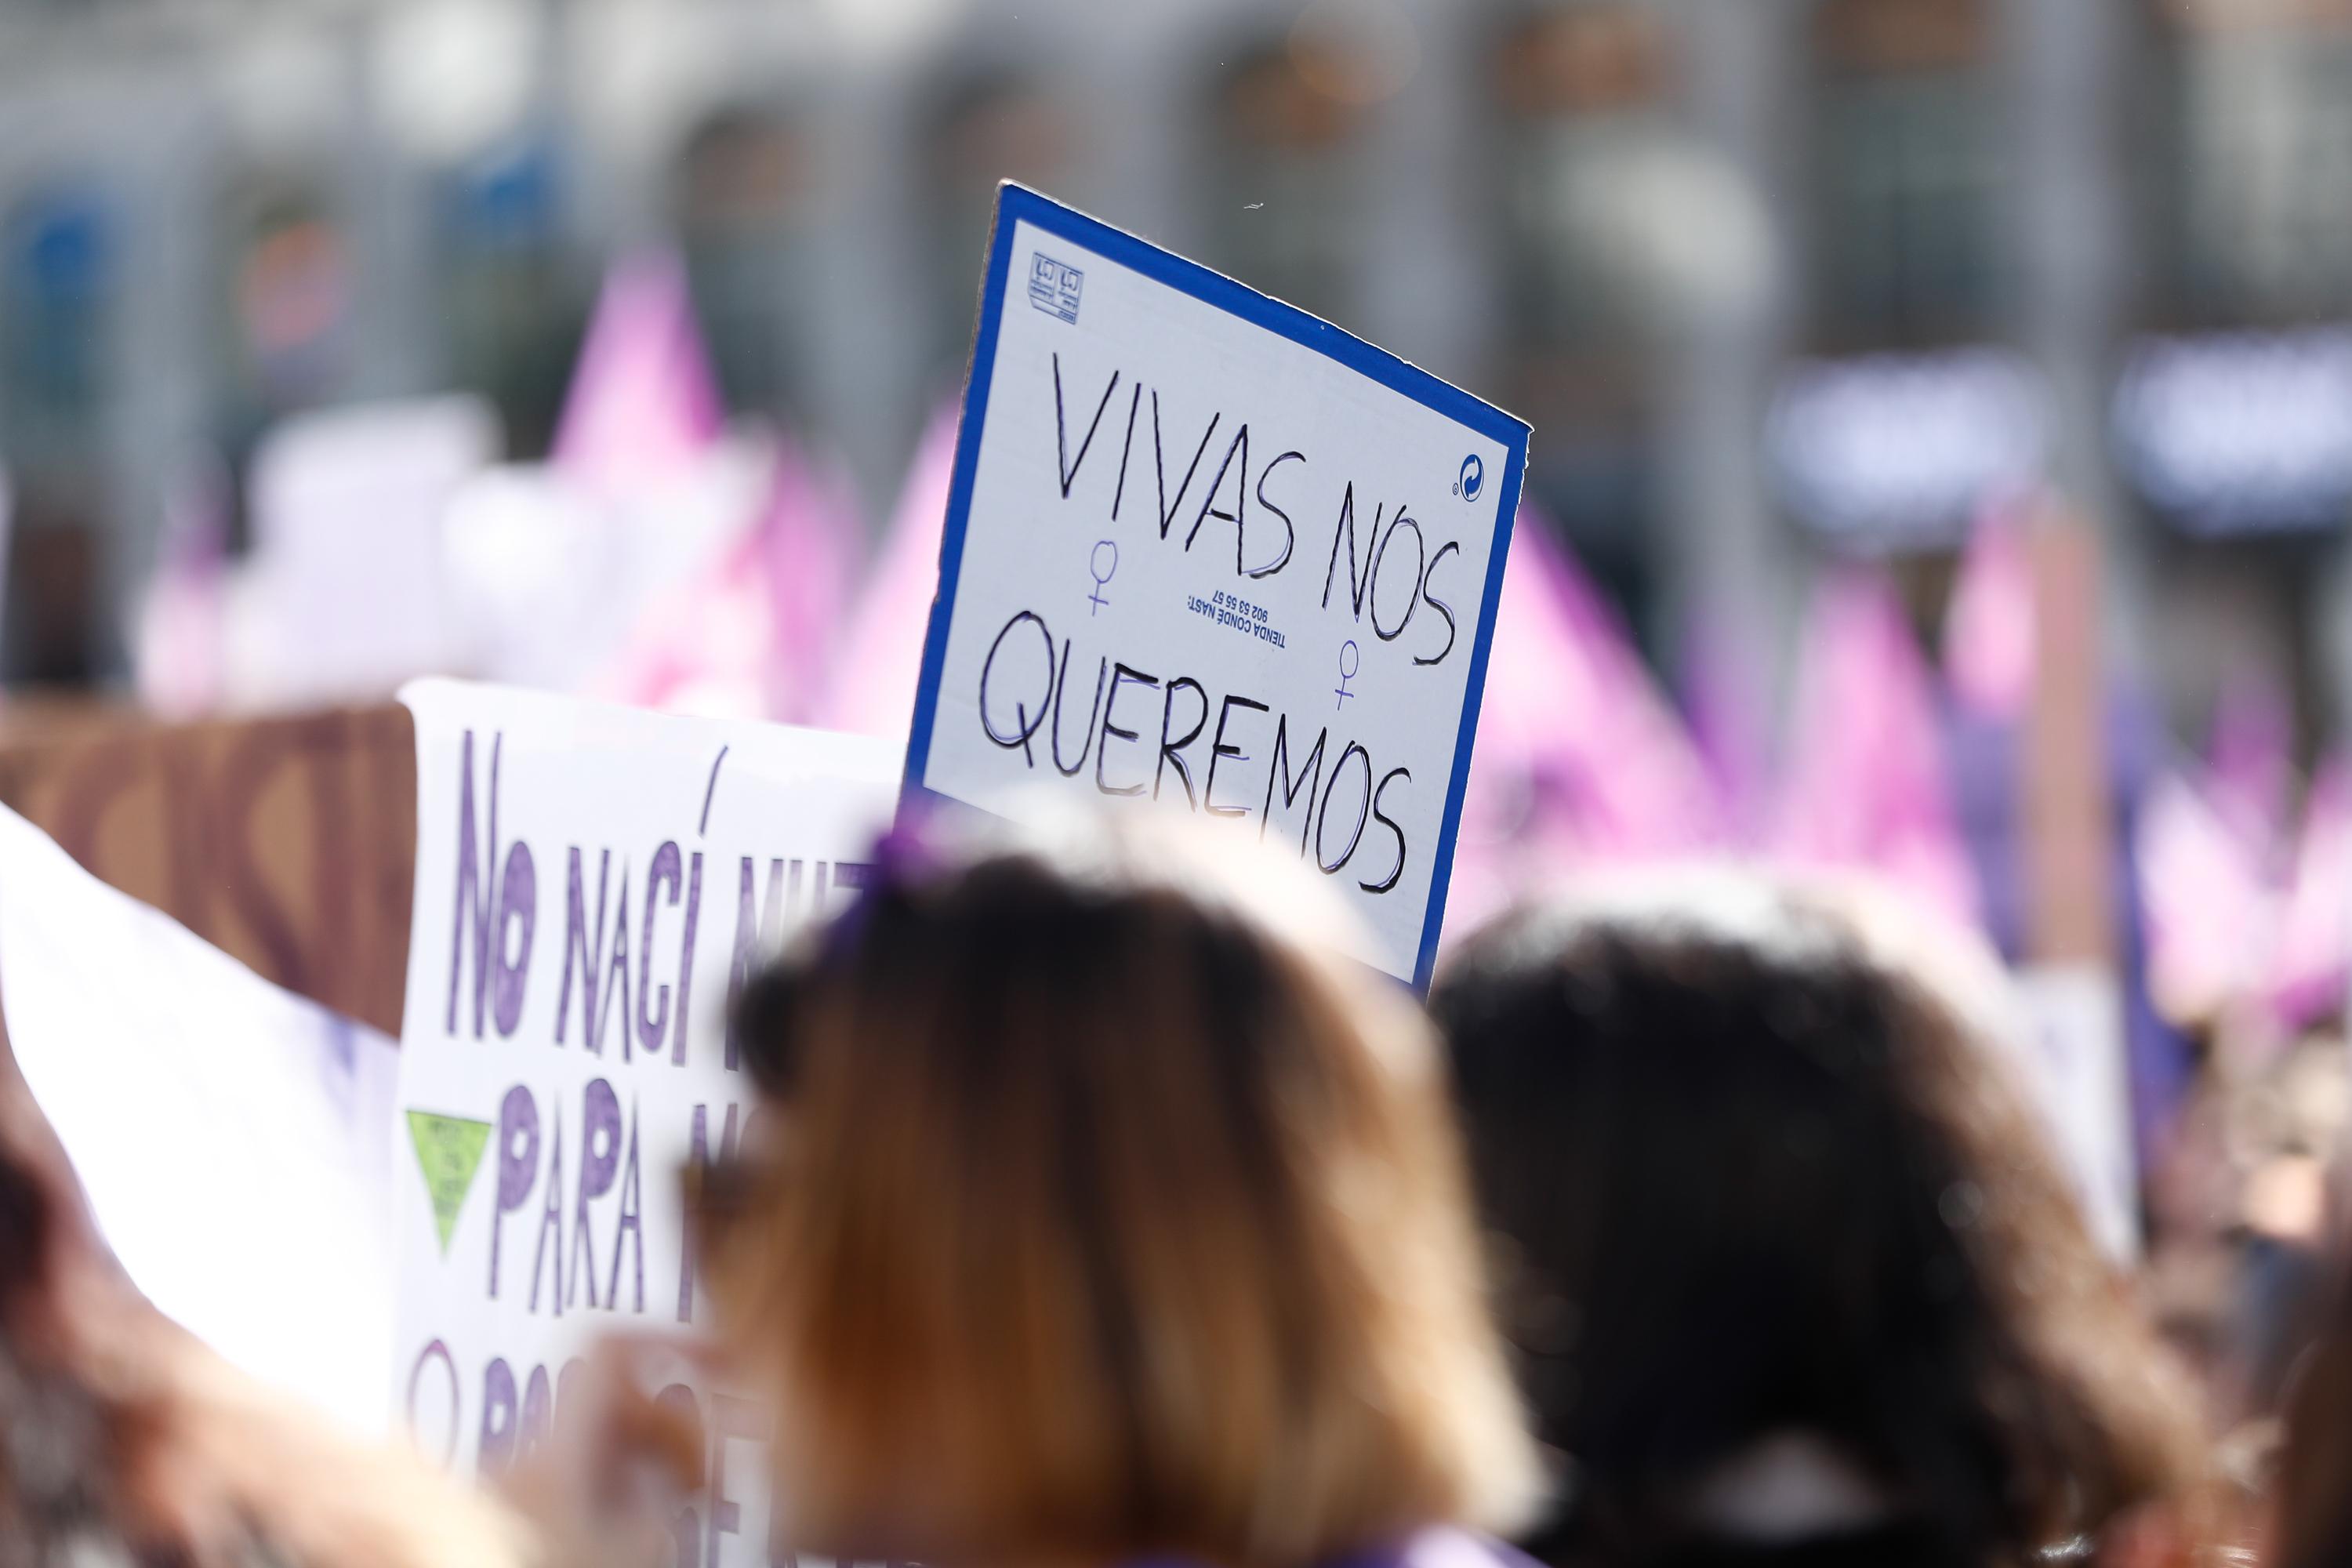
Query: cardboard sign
[1206, 550]
[591, 883]
[285, 842]
[230, 1136]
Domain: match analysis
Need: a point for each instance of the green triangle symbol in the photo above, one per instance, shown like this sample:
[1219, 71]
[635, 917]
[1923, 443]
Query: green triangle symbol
[448, 1151]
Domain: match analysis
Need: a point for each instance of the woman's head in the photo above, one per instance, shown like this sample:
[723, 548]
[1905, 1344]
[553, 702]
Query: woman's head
[1092, 1216]
[1756, 1173]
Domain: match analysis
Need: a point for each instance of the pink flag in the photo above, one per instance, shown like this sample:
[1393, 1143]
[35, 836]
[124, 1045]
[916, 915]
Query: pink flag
[643, 404]
[874, 678]
[1725, 691]
[748, 636]
[1866, 782]
[2208, 915]
[810, 552]
[1989, 632]
[1580, 758]
[2247, 768]
[2312, 960]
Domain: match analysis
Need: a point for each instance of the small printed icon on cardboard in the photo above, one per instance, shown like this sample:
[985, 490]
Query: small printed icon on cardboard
[1054, 287]
[1473, 479]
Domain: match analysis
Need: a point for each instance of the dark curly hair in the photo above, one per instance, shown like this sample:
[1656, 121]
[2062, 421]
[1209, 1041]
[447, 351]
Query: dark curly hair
[1754, 1173]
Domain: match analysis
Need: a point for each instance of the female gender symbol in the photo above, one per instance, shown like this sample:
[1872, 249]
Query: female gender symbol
[1351, 658]
[1102, 575]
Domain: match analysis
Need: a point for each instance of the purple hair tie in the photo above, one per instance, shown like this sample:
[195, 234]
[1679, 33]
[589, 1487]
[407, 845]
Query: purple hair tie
[903, 857]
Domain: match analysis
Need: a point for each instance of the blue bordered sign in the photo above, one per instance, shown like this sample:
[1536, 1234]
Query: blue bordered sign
[1288, 511]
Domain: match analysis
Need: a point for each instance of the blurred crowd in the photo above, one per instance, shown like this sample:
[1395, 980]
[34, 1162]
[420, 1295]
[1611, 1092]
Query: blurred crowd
[1775, 281]
[1885, 1096]
[1098, 1213]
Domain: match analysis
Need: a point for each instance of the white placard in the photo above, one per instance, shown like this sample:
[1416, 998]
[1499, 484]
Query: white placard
[344, 594]
[1205, 549]
[2075, 1012]
[590, 881]
[229, 1135]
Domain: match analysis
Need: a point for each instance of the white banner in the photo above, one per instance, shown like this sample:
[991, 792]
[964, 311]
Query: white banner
[592, 882]
[1204, 549]
[230, 1135]
[2076, 1015]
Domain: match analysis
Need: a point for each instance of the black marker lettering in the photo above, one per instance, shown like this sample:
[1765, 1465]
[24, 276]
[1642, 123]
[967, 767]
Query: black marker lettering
[1025, 726]
[1290, 535]
[1219, 750]
[1172, 750]
[1061, 431]
[1102, 750]
[1386, 821]
[1420, 565]
[1280, 768]
[1348, 522]
[1168, 509]
[1440, 606]
[1323, 813]
[1060, 690]
[1239, 443]
[1126, 450]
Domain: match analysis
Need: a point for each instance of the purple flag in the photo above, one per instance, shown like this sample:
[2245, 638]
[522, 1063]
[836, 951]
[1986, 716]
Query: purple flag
[2312, 961]
[809, 552]
[1726, 692]
[2207, 912]
[1580, 757]
[749, 636]
[643, 404]
[2247, 769]
[1989, 632]
[1866, 782]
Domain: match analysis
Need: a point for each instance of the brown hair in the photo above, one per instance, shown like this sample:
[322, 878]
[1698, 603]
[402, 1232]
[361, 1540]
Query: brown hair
[1098, 1219]
[1762, 1172]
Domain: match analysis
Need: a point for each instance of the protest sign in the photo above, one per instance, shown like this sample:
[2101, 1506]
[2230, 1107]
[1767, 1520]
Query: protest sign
[2074, 1021]
[285, 842]
[591, 883]
[344, 593]
[2072, 978]
[230, 1136]
[1202, 548]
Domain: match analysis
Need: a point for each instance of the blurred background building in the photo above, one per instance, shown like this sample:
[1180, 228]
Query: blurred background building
[1776, 281]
